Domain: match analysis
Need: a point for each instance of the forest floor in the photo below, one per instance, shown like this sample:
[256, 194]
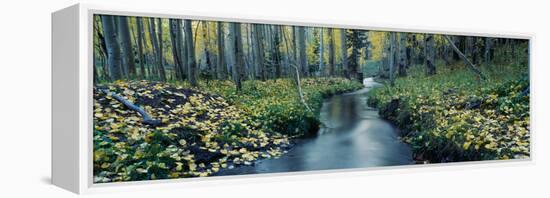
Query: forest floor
[202, 130]
[455, 116]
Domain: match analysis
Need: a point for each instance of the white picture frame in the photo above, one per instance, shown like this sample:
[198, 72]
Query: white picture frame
[72, 101]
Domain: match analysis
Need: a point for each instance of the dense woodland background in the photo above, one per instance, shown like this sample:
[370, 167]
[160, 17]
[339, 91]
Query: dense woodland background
[187, 50]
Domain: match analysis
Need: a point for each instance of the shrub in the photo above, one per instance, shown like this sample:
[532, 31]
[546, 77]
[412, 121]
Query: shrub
[452, 116]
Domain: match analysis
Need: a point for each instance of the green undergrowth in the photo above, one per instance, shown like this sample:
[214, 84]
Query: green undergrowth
[202, 130]
[455, 116]
[276, 105]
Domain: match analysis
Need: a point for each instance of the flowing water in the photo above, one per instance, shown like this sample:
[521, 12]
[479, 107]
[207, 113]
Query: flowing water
[352, 136]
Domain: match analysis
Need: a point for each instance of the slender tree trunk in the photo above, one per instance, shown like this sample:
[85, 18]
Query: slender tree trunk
[230, 50]
[269, 65]
[367, 45]
[140, 34]
[392, 58]
[276, 51]
[468, 47]
[294, 43]
[221, 67]
[175, 48]
[191, 62]
[388, 55]
[102, 48]
[445, 55]
[425, 50]
[321, 52]
[410, 49]
[251, 61]
[154, 43]
[182, 52]
[95, 71]
[302, 50]
[162, 72]
[210, 70]
[402, 54]
[259, 45]
[331, 52]
[126, 43]
[240, 54]
[475, 50]
[182, 46]
[113, 48]
[430, 54]
[356, 43]
[344, 49]
[488, 43]
[238, 72]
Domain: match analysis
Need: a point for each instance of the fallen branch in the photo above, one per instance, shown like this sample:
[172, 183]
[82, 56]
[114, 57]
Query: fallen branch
[292, 63]
[299, 85]
[146, 118]
[470, 64]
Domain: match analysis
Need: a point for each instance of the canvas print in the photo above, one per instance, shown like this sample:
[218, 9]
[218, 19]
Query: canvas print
[181, 98]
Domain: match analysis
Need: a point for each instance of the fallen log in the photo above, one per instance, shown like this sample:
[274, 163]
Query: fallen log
[468, 62]
[147, 119]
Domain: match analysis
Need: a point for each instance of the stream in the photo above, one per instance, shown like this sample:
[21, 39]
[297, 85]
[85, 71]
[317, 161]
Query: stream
[352, 136]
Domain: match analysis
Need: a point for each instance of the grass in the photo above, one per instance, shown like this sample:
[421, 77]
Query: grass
[455, 116]
[275, 104]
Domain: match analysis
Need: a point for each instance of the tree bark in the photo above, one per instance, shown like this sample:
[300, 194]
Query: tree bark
[206, 41]
[154, 43]
[356, 44]
[259, 52]
[487, 55]
[181, 49]
[140, 34]
[468, 46]
[237, 45]
[402, 54]
[321, 53]
[221, 67]
[302, 50]
[126, 43]
[344, 50]
[392, 58]
[367, 45]
[113, 48]
[162, 72]
[102, 48]
[430, 54]
[276, 53]
[191, 62]
[331, 53]
[175, 48]
[182, 53]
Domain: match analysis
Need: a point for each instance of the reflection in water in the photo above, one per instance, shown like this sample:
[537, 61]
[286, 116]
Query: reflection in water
[352, 136]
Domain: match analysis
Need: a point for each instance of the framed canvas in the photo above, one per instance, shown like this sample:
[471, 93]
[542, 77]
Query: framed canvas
[162, 98]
